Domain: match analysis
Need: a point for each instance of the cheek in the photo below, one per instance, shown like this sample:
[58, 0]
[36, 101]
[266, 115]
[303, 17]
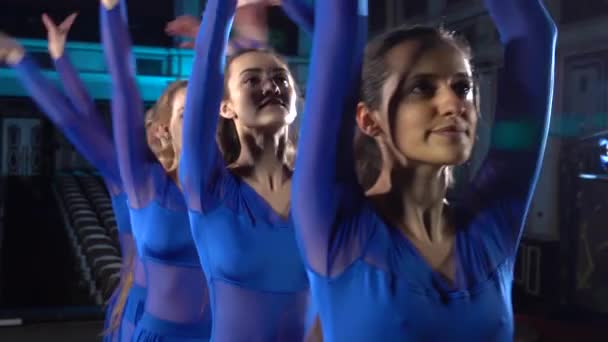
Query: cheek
[244, 106]
[473, 118]
[411, 122]
[176, 128]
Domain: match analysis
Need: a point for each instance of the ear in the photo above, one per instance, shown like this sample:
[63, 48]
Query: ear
[367, 120]
[369, 124]
[226, 110]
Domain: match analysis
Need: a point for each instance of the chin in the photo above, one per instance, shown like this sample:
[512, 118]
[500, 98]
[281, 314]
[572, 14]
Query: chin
[457, 159]
[452, 157]
[272, 122]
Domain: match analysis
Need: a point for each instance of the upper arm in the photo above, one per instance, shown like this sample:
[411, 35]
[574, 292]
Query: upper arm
[133, 155]
[200, 154]
[90, 137]
[315, 194]
[523, 108]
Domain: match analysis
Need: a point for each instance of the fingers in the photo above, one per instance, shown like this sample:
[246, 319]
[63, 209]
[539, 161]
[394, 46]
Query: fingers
[67, 23]
[109, 4]
[185, 26]
[49, 24]
[187, 45]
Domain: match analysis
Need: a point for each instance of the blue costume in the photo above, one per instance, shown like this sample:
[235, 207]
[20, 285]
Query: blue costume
[78, 119]
[368, 281]
[177, 303]
[257, 282]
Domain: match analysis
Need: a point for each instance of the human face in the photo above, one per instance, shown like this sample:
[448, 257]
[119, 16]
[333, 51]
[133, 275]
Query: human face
[428, 110]
[151, 137]
[177, 118]
[260, 93]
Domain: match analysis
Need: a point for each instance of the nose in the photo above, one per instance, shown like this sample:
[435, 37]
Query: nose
[450, 103]
[270, 87]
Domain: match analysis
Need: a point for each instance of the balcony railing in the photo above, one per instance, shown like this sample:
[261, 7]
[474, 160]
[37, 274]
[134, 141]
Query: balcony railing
[155, 68]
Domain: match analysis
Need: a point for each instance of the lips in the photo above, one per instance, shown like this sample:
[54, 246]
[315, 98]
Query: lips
[450, 129]
[272, 101]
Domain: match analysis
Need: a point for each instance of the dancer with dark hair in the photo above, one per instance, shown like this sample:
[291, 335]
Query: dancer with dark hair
[405, 264]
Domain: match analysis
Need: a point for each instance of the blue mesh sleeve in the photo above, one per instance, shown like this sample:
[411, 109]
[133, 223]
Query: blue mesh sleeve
[508, 176]
[318, 180]
[200, 156]
[134, 156]
[300, 13]
[87, 132]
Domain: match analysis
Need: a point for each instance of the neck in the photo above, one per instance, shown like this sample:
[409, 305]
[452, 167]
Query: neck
[264, 154]
[415, 202]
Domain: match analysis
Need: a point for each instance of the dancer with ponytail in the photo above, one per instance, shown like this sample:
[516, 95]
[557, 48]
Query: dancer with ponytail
[176, 303]
[235, 175]
[406, 264]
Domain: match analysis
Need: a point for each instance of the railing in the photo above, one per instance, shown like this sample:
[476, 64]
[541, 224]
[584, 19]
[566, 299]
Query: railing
[155, 66]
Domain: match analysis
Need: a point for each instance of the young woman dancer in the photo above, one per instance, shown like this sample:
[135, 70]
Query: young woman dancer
[406, 265]
[176, 304]
[78, 119]
[237, 189]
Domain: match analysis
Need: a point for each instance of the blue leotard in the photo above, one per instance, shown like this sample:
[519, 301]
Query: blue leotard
[257, 283]
[177, 302]
[79, 120]
[368, 281]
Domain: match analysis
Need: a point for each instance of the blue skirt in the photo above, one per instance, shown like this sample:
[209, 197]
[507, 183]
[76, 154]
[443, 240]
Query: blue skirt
[109, 336]
[152, 329]
[133, 311]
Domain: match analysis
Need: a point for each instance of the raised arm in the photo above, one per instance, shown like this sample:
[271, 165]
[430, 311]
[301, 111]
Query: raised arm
[335, 64]
[73, 86]
[200, 155]
[300, 13]
[90, 137]
[134, 157]
[507, 178]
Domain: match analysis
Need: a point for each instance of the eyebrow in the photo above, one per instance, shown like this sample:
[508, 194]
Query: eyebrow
[283, 70]
[431, 75]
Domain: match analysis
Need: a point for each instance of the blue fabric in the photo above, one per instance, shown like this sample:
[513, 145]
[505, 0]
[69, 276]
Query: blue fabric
[82, 125]
[176, 286]
[76, 116]
[300, 13]
[257, 282]
[121, 212]
[152, 329]
[132, 312]
[368, 281]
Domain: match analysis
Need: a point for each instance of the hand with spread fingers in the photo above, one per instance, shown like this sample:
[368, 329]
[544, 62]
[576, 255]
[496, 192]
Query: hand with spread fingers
[57, 34]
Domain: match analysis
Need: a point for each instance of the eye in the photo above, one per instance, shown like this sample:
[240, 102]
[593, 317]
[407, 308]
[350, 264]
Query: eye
[463, 88]
[423, 88]
[282, 80]
[251, 81]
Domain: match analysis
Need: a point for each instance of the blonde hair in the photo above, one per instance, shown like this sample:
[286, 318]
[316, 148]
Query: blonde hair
[121, 294]
[162, 111]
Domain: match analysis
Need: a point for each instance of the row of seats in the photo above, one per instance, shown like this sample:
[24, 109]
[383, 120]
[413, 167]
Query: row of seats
[92, 228]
